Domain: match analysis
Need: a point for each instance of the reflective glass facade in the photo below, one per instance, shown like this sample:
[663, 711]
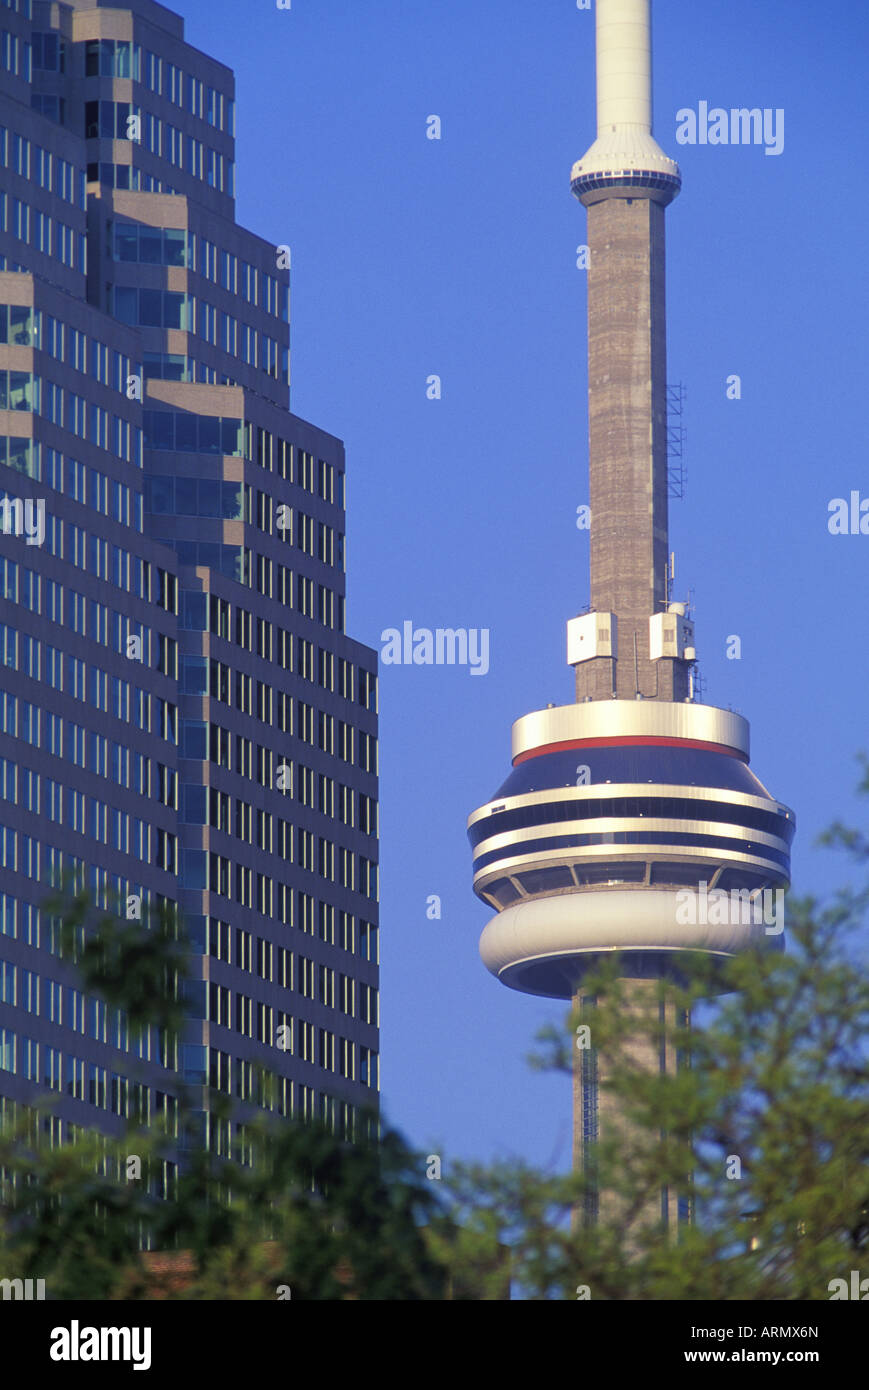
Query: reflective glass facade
[182, 715]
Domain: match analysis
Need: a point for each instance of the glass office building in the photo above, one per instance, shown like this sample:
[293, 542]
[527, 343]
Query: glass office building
[182, 717]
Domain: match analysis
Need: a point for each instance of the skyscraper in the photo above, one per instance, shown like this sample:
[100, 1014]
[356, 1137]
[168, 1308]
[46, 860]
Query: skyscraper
[636, 801]
[182, 715]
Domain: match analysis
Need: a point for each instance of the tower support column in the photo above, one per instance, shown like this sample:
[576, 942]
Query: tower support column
[596, 1110]
[627, 386]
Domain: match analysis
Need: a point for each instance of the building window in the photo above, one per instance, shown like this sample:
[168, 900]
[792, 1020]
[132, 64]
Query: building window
[48, 52]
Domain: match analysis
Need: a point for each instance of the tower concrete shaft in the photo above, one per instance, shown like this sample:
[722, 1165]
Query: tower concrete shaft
[626, 181]
[597, 1111]
[627, 391]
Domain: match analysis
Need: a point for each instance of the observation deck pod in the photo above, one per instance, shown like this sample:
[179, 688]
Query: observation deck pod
[617, 816]
[591, 180]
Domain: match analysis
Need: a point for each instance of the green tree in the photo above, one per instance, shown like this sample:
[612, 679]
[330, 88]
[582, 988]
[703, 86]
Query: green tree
[292, 1207]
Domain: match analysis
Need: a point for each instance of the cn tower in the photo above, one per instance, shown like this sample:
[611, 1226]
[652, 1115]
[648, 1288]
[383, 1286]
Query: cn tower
[635, 796]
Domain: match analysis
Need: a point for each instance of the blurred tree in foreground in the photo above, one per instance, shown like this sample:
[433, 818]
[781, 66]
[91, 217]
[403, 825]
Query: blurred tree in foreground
[293, 1208]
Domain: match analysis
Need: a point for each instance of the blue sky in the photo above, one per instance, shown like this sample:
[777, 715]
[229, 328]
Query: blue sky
[458, 257]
